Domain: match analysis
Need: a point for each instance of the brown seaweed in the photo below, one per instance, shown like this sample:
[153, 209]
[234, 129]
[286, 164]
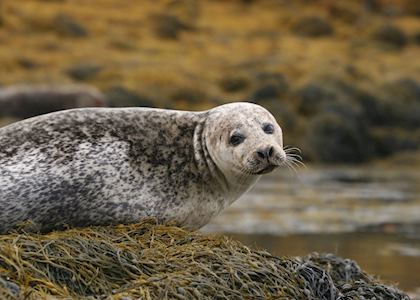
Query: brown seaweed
[150, 261]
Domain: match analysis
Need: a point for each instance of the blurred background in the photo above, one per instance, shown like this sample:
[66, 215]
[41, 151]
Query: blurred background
[341, 77]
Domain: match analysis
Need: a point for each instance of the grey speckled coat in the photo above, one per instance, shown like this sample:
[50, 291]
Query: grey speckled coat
[98, 166]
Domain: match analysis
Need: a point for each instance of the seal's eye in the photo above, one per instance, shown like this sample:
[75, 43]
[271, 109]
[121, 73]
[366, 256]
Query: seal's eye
[236, 139]
[268, 128]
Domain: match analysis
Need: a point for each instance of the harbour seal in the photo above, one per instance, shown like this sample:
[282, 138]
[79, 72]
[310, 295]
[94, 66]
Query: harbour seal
[101, 166]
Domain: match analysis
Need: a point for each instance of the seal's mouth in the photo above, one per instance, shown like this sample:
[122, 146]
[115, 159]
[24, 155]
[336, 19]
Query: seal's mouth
[266, 170]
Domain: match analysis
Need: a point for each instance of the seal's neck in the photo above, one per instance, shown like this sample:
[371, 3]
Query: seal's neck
[204, 161]
[233, 185]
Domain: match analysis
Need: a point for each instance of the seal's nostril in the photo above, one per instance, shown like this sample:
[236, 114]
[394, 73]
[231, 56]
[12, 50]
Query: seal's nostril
[266, 153]
[261, 153]
[270, 151]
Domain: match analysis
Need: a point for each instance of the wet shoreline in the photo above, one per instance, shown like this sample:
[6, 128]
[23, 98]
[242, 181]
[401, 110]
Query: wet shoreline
[367, 213]
[327, 199]
[394, 258]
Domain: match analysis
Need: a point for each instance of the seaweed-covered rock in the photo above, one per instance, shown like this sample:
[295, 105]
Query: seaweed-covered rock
[266, 91]
[149, 261]
[374, 108]
[233, 84]
[168, 26]
[121, 96]
[412, 7]
[24, 101]
[312, 26]
[189, 95]
[405, 89]
[285, 116]
[66, 25]
[388, 141]
[83, 71]
[336, 136]
[390, 36]
[270, 85]
[402, 101]
[27, 63]
[345, 11]
[310, 98]
[416, 38]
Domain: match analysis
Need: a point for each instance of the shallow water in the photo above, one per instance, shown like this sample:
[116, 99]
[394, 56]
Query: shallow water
[370, 214]
[328, 199]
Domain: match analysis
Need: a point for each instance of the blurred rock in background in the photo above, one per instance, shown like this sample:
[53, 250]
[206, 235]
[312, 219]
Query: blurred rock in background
[25, 101]
[342, 77]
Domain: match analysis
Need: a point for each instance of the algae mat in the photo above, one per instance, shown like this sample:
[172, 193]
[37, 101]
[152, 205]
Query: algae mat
[149, 261]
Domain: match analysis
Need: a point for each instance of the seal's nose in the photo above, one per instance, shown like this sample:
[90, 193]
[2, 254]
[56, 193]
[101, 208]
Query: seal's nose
[266, 152]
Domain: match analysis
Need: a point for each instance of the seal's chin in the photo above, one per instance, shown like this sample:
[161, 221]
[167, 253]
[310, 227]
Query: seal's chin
[266, 170]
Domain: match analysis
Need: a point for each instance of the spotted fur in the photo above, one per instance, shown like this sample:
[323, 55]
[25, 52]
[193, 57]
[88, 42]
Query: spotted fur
[100, 166]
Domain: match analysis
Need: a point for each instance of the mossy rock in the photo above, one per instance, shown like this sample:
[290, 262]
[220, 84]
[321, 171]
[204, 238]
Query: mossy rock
[345, 11]
[313, 26]
[149, 261]
[310, 97]
[28, 101]
[232, 84]
[120, 96]
[167, 26]
[192, 96]
[388, 141]
[335, 136]
[83, 71]
[269, 86]
[390, 37]
[66, 25]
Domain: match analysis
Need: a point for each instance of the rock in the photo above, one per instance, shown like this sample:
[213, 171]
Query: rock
[123, 44]
[372, 5]
[189, 95]
[413, 7]
[83, 71]
[271, 85]
[417, 38]
[334, 138]
[310, 97]
[388, 141]
[168, 26]
[177, 265]
[266, 91]
[347, 12]
[390, 36]
[66, 25]
[273, 77]
[284, 115]
[402, 102]
[28, 101]
[374, 108]
[234, 84]
[27, 63]
[312, 26]
[123, 97]
[406, 89]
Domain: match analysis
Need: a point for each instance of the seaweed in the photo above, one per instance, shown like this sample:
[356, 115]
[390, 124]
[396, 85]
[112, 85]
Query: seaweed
[151, 261]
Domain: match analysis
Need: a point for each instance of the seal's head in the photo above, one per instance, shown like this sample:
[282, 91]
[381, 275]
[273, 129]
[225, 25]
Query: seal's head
[247, 138]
